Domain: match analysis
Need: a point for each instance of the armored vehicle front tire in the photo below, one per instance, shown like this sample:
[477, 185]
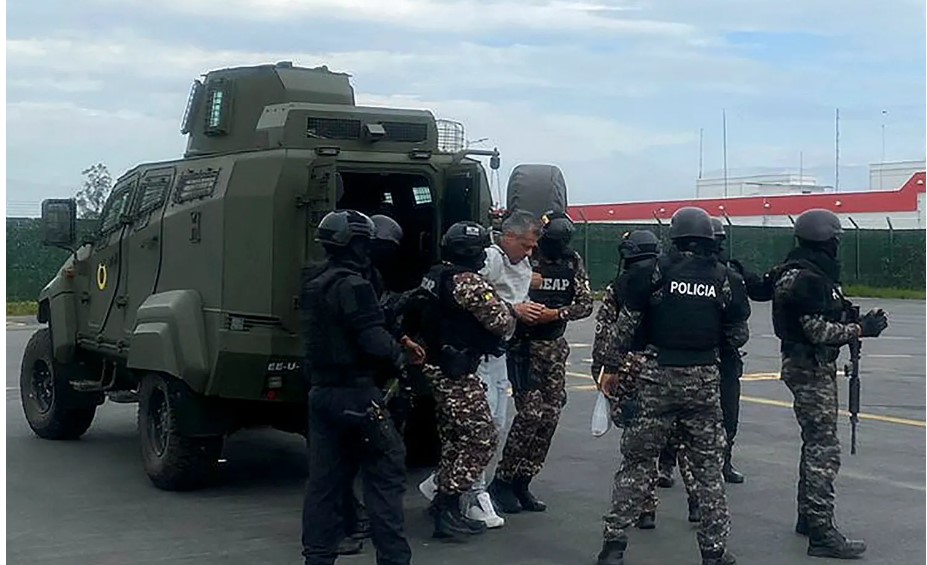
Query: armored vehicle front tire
[172, 461]
[53, 409]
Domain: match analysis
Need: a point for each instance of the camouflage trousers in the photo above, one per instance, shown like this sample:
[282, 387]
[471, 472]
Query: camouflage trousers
[537, 412]
[675, 451]
[465, 428]
[685, 398]
[815, 405]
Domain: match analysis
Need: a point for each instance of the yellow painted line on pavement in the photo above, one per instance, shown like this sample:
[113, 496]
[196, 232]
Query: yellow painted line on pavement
[780, 403]
[748, 377]
[874, 417]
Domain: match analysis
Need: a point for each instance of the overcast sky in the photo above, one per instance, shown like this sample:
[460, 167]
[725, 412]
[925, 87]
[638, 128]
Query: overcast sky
[613, 92]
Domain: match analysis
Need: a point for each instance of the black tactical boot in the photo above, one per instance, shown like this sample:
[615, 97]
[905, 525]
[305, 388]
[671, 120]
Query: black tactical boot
[718, 557]
[349, 546]
[695, 511]
[503, 496]
[647, 521]
[801, 525]
[827, 541]
[449, 522]
[527, 500]
[612, 552]
[731, 475]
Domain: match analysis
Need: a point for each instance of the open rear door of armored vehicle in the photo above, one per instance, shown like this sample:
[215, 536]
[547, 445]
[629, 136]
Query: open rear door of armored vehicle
[466, 195]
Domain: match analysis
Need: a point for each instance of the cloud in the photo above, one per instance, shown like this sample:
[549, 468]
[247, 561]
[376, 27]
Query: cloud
[452, 17]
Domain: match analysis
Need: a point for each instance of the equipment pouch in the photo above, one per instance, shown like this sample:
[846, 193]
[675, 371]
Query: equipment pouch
[518, 365]
[455, 363]
[377, 430]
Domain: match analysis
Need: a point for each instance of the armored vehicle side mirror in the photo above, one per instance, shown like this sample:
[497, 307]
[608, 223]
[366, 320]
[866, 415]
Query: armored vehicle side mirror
[59, 222]
[494, 161]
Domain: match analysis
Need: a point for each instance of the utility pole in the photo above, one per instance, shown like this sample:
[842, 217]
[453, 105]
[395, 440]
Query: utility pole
[882, 162]
[837, 153]
[724, 146]
[801, 168]
[701, 134]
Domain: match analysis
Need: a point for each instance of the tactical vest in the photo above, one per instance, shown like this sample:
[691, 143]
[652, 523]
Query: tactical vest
[446, 323]
[619, 292]
[824, 297]
[685, 325]
[558, 289]
[332, 355]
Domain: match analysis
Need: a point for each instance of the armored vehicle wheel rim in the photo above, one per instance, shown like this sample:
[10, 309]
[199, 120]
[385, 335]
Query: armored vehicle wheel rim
[43, 386]
[158, 422]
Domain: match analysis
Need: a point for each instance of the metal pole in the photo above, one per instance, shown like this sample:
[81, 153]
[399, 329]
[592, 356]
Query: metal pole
[855, 225]
[891, 242]
[701, 134]
[882, 162]
[730, 234]
[585, 238]
[837, 154]
[724, 146]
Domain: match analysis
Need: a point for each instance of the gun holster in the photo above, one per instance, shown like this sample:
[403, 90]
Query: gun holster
[518, 364]
[455, 363]
[377, 430]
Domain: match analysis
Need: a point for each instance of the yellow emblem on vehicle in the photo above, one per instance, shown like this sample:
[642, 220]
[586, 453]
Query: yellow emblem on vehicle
[488, 296]
[101, 276]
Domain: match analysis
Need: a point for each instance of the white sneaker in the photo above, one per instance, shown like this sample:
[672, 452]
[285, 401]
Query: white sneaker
[483, 511]
[428, 487]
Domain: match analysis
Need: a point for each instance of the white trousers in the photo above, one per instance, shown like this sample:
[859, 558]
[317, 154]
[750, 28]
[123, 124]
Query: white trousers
[494, 374]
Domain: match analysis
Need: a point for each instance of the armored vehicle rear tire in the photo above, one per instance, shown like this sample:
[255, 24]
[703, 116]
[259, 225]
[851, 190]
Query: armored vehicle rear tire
[171, 460]
[53, 409]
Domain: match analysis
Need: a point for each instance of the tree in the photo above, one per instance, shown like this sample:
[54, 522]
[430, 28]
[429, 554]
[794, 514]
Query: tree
[92, 196]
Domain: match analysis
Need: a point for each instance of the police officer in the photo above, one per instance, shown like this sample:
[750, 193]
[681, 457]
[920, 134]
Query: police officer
[346, 345]
[536, 362]
[732, 368]
[462, 320]
[638, 250]
[689, 305]
[384, 248]
[808, 313]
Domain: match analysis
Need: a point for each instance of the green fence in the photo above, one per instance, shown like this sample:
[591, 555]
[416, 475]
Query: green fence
[877, 258]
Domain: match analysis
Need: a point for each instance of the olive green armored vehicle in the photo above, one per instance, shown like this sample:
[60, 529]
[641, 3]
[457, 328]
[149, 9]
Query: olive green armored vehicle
[185, 297]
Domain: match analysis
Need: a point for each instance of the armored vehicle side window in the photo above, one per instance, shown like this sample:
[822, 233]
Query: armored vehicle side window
[196, 184]
[115, 208]
[153, 190]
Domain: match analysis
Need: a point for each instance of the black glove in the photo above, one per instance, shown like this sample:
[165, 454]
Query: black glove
[873, 323]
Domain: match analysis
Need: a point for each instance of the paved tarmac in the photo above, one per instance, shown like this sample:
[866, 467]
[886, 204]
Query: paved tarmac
[89, 502]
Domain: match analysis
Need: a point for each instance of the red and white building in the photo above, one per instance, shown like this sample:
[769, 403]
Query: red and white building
[899, 204]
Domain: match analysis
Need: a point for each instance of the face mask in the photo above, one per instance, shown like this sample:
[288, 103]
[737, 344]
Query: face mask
[552, 247]
[382, 252]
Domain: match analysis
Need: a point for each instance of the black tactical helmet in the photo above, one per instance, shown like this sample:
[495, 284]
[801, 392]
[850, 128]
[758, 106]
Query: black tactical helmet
[818, 225]
[691, 222]
[718, 229]
[557, 226]
[639, 243]
[339, 227]
[387, 229]
[465, 239]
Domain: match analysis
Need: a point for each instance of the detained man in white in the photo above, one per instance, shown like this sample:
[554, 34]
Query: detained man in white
[508, 269]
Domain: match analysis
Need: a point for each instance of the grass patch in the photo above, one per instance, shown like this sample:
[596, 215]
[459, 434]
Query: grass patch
[863, 291]
[21, 308]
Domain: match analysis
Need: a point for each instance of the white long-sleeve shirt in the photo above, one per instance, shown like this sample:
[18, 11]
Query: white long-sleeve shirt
[512, 281]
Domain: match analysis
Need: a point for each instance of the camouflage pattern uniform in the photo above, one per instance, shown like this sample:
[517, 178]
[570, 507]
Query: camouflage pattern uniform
[465, 427]
[538, 409]
[605, 331]
[686, 396]
[811, 375]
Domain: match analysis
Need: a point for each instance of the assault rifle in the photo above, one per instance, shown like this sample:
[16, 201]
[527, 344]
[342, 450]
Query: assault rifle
[852, 371]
